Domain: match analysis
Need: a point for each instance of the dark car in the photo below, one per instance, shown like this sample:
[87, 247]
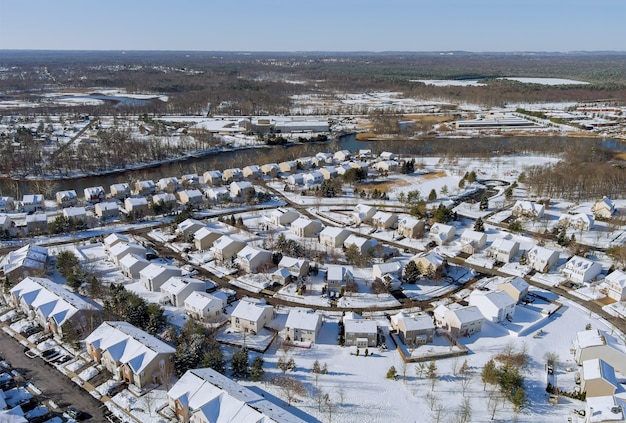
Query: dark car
[74, 413]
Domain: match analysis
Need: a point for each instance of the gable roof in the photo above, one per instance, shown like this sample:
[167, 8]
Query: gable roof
[303, 319]
[250, 309]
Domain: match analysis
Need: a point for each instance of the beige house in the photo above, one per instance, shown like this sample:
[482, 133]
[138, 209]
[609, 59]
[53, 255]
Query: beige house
[143, 188]
[169, 184]
[213, 178]
[251, 315]
[597, 378]
[542, 259]
[603, 209]
[333, 237]
[617, 285]
[119, 191]
[132, 264]
[253, 260]
[282, 217]
[129, 353]
[66, 198]
[441, 233]
[288, 167]
[592, 344]
[305, 227]
[270, 169]
[384, 220]
[137, 206]
[119, 250]
[364, 245]
[232, 175]
[191, 197]
[328, 172]
[206, 307]
[528, 209]
[503, 250]
[430, 263]
[410, 227]
[303, 325]
[516, 287]
[177, 288]
[204, 238]
[414, 330]
[156, 274]
[241, 190]
[167, 200]
[190, 180]
[472, 241]
[252, 172]
[226, 248]
[363, 213]
[463, 321]
[107, 210]
[337, 277]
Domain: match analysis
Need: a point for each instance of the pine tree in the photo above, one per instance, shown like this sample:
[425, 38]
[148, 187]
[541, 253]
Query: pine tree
[256, 369]
[479, 226]
[240, 364]
[431, 373]
[433, 195]
[489, 374]
[316, 367]
[391, 373]
[411, 272]
[484, 203]
[523, 259]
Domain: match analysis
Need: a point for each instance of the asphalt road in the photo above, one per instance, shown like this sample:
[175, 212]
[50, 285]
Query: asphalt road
[53, 384]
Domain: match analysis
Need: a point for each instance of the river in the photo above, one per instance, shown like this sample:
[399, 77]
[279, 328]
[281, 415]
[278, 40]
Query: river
[479, 147]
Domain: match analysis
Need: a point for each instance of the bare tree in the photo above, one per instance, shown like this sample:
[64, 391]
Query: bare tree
[330, 407]
[290, 387]
[166, 371]
[494, 402]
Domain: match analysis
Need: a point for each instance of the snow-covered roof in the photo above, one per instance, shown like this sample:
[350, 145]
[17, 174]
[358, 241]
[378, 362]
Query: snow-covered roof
[617, 277]
[499, 299]
[598, 369]
[201, 300]
[580, 263]
[518, 283]
[250, 309]
[291, 262]
[128, 344]
[224, 242]
[225, 400]
[303, 319]
[504, 244]
[176, 284]
[409, 222]
[470, 235]
[466, 314]
[249, 252]
[359, 241]
[74, 212]
[304, 222]
[413, 323]
[155, 269]
[333, 231]
[337, 273]
[390, 267]
[360, 326]
[30, 256]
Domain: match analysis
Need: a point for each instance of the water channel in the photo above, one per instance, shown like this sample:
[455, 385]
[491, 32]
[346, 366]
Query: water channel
[478, 147]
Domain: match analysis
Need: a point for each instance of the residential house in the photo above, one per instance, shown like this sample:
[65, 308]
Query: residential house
[165, 200]
[364, 245]
[132, 264]
[113, 239]
[337, 277]
[295, 180]
[252, 259]
[177, 288]
[616, 282]
[358, 165]
[328, 172]
[144, 188]
[137, 206]
[580, 221]
[218, 194]
[252, 172]
[75, 214]
[251, 315]
[241, 190]
[204, 395]
[36, 223]
[496, 306]
[387, 166]
[441, 233]
[303, 325]
[322, 158]
[7, 204]
[384, 220]
[528, 209]
[288, 167]
[213, 178]
[191, 197]
[387, 155]
[282, 217]
[232, 175]
[190, 180]
[542, 259]
[155, 275]
[312, 179]
[67, 198]
[597, 378]
[503, 249]
[364, 154]
[226, 248]
[414, 330]
[364, 213]
[342, 155]
[107, 210]
[360, 332]
[51, 305]
[430, 263]
[298, 268]
[32, 203]
[472, 241]
[282, 276]
[410, 227]
[343, 168]
[581, 270]
[305, 227]
[119, 191]
[590, 344]
[169, 184]
[119, 250]
[94, 194]
[463, 321]
[129, 353]
[333, 237]
[270, 169]
[603, 209]
[6, 224]
[206, 307]
[610, 408]
[516, 287]
[393, 268]
[204, 238]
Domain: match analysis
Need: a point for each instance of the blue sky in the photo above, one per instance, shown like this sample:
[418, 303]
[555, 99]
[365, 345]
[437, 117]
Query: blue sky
[320, 25]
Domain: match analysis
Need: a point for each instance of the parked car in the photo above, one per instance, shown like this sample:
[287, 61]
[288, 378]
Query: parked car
[74, 413]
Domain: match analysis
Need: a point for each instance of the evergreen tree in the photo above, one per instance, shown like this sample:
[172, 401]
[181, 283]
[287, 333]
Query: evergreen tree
[433, 195]
[523, 259]
[489, 375]
[484, 203]
[411, 272]
[391, 373]
[240, 364]
[479, 226]
[316, 367]
[256, 369]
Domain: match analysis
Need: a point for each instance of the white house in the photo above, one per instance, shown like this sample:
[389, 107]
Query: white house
[414, 330]
[295, 180]
[6, 204]
[226, 248]
[113, 239]
[360, 332]
[337, 277]
[241, 189]
[496, 306]
[167, 200]
[590, 344]
[387, 155]
[75, 214]
[146, 187]
[364, 213]
[94, 194]
[66, 198]
[136, 205]
[429, 263]
[177, 288]
[305, 227]
[386, 166]
[411, 227]
[463, 321]
[580, 221]
[119, 191]
[333, 237]
[303, 325]
[616, 281]
[36, 223]
[169, 184]
[212, 178]
[190, 197]
[106, 210]
[204, 306]
[384, 220]
[503, 249]
[119, 250]
[542, 259]
[528, 209]
[580, 270]
[188, 227]
[342, 155]
[361, 243]
[156, 274]
[297, 267]
[132, 264]
[441, 233]
[251, 315]
[322, 158]
[312, 178]
[129, 353]
[393, 268]
[254, 259]
[472, 241]
[217, 194]
[32, 203]
[282, 217]
[603, 209]
[190, 180]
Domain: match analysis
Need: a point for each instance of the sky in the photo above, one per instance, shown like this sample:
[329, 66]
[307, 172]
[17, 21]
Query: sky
[320, 25]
